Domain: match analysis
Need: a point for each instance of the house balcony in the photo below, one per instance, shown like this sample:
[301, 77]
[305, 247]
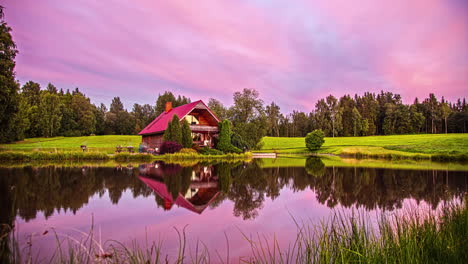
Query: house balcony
[201, 128]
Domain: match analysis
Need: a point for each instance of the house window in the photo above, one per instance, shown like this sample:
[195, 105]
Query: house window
[193, 120]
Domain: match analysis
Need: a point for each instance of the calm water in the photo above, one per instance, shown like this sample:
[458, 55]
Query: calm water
[150, 200]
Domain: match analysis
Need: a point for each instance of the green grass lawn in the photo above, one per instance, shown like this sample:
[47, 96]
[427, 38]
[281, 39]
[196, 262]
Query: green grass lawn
[404, 145]
[95, 143]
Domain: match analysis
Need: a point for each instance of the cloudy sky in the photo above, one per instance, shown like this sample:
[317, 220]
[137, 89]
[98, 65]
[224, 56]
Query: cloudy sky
[292, 52]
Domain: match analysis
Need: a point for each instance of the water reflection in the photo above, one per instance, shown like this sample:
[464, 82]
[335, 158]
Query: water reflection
[24, 192]
[191, 188]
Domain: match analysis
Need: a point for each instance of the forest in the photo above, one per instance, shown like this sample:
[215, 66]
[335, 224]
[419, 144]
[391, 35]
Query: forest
[29, 110]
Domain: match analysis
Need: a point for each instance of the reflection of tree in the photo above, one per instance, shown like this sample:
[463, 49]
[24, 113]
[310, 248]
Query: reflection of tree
[27, 191]
[248, 190]
[315, 167]
[178, 181]
[385, 188]
[51, 188]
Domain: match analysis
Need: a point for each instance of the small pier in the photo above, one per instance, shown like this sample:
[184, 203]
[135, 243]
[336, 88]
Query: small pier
[265, 155]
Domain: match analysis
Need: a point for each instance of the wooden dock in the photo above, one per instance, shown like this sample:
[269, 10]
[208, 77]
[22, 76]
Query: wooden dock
[265, 155]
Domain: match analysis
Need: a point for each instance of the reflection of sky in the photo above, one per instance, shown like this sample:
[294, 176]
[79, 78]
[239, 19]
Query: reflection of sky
[211, 48]
[134, 218]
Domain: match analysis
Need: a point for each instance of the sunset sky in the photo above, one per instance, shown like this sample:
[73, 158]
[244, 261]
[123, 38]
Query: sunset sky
[292, 52]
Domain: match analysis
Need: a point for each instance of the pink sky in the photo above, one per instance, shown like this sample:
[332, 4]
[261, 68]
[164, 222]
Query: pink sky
[292, 52]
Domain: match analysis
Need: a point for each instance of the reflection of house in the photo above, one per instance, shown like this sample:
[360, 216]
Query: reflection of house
[201, 192]
[203, 123]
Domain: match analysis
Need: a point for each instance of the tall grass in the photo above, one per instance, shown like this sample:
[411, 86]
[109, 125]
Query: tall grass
[196, 156]
[412, 238]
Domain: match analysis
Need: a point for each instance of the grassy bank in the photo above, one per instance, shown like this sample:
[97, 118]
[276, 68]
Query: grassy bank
[104, 144]
[441, 147]
[199, 157]
[410, 238]
[23, 157]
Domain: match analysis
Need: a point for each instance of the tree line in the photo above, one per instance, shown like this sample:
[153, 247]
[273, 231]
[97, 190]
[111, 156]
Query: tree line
[30, 111]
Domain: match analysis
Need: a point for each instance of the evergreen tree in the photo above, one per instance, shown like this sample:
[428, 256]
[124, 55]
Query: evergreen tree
[224, 142]
[187, 140]
[173, 131]
[169, 97]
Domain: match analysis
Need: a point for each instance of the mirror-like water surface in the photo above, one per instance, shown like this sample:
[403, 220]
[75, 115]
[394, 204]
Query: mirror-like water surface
[147, 202]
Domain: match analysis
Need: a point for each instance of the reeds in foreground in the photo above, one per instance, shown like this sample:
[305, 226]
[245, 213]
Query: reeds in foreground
[410, 238]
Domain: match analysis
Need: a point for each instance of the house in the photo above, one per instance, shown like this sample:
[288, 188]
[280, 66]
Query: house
[203, 123]
[196, 197]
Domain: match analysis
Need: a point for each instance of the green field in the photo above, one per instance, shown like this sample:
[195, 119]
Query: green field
[410, 146]
[400, 145]
[105, 144]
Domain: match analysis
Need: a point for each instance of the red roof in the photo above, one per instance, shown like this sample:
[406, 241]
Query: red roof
[160, 189]
[160, 123]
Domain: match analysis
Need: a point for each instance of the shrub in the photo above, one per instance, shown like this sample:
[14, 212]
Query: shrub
[187, 150]
[238, 142]
[210, 151]
[196, 147]
[170, 147]
[315, 139]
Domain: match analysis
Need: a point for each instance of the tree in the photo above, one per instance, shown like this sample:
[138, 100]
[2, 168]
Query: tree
[169, 97]
[84, 114]
[315, 139]
[187, 140]
[218, 108]
[347, 105]
[445, 112]
[273, 118]
[100, 115]
[120, 122]
[328, 115]
[9, 88]
[50, 114]
[248, 117]
[224, 143]
[143, 115]
[356, 121]
[173, 131]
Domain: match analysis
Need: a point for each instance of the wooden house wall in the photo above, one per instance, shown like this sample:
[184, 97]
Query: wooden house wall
[153, 141]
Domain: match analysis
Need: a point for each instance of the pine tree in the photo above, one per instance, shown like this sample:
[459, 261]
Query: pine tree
[186, 135]
[173, 131]
[224, 142]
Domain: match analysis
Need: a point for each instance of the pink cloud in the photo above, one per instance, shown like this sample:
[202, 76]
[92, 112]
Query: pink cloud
[293, 53]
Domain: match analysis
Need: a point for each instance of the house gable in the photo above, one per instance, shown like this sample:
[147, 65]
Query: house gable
[199, 109]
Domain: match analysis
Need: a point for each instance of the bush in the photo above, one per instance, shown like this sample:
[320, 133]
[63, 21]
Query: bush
[238, 142]
[210, 151]
[196, 147]
[187, 150]
[315, 139]
[170, 147]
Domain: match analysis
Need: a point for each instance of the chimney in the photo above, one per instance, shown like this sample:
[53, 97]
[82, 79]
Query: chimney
[168, 106]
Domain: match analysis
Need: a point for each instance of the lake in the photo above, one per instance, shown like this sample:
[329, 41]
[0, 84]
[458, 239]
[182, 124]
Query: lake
[153, 202]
